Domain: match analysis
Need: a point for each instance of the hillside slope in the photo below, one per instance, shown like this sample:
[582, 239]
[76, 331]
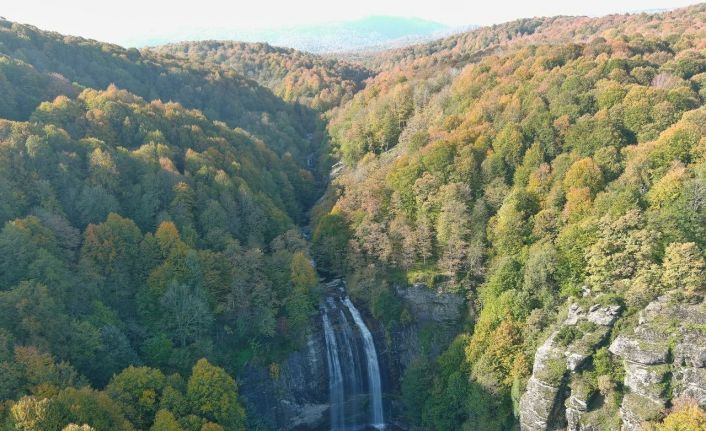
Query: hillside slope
[535, 168]
[519, 211]
[219, 92]
[149, 250]
[450, 51]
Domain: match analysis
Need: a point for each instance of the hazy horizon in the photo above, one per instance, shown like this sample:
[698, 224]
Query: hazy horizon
[296, 35]
[137, 23]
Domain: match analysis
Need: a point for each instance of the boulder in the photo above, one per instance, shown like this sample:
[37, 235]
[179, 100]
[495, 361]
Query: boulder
[640, 351]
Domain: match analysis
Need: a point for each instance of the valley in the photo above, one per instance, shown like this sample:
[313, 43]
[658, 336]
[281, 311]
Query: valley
[502, 229]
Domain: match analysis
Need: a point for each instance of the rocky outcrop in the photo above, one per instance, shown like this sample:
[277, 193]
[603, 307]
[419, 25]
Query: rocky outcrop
[293, 395]
[577, 406]
[541, 405]
[551, 401]
[664, 358]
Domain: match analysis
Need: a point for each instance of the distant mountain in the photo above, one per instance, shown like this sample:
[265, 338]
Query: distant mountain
[361, 34]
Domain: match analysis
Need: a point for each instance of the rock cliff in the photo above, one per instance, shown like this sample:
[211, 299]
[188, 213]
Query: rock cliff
[662, 357]
[294, 396]
[555, 398]
[435, 318]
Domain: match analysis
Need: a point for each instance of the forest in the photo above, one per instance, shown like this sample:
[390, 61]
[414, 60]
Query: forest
[526, 166]
[155, 209]
[144, 242]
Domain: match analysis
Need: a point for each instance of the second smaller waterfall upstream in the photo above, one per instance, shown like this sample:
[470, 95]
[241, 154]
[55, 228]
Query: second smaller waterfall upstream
[355, 387]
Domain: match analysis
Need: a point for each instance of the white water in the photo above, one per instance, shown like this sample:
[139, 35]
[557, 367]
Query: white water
[335, 381]
[353, 374]
[375, 386]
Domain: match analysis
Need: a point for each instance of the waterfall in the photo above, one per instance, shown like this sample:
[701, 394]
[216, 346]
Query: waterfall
[335, 377]
[355, 389]
[375, 386]
[354, 374]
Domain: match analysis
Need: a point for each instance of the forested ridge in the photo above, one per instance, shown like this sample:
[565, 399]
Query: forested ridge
[321, 83]
[151, 204]
[33, 57]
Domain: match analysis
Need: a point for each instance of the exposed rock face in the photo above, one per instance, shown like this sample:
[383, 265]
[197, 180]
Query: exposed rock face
[427, 304]
[576, 409]
[432, 311]
[298, 397]
[664, 356]
[436, 315]
[551, 401]
[541, 405]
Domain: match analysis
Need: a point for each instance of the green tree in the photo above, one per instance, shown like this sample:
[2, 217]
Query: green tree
[188, 314]
[415, 386]
[138, 390]
[684, 268]
[300, 301]
[113, 248]
[213, 394]
[165, 421]
[624, 248]
[87, 406]
[584, 173]
[330, 243]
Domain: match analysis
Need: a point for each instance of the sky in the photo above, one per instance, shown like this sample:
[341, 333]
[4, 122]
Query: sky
[126, 21]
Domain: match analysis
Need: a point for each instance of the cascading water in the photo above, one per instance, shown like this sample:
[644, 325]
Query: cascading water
[335, 376]
[371, 356]
[355, 389]
[352, 359]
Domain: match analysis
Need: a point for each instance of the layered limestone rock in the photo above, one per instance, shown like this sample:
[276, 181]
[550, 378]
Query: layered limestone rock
[577, 407]
[551, 401]
[541, 404]
[664, 358]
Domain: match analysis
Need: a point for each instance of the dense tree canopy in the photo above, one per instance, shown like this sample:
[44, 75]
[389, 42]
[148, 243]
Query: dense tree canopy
[522, 165]
[150, 205]
[292, 75]
[136, 236]
[37, 65]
